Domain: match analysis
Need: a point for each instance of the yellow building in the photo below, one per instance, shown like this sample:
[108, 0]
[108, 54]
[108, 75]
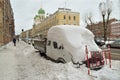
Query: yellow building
[62, 16]
[6, 22]
[26, 34]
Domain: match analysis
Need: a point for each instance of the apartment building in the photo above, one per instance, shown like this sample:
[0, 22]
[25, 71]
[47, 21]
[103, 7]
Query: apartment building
[98, 29]
[115, 29]
[6, 22]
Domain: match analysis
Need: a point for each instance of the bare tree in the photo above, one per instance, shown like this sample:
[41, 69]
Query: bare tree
[88, 20]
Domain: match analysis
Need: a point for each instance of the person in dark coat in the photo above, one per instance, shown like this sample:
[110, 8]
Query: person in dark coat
[14, 41]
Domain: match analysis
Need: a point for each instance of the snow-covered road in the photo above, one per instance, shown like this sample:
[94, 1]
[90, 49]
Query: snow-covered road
[24, 63]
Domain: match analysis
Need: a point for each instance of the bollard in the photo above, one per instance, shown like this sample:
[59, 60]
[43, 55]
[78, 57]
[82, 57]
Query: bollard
[105, 57]
[92, 59]
[88, 64]
[109, 55]
[109, 59]
[95, 58]
[99, 58]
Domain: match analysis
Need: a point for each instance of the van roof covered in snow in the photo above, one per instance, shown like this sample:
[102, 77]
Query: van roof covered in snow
[74, 38]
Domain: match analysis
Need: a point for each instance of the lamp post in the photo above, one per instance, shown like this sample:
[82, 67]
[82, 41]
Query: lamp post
[102, 8]
[105, 8]
[109, 10]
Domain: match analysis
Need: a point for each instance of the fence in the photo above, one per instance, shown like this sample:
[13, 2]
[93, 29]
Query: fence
[98, 59]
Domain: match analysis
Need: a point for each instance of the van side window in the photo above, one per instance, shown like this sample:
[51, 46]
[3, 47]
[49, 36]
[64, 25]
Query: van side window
[55, 45]
[49, 42]
[62, 46]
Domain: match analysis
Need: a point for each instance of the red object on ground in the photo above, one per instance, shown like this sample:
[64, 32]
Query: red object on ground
[105, 57]
[88, 64]
[109, 55]
[92, 59]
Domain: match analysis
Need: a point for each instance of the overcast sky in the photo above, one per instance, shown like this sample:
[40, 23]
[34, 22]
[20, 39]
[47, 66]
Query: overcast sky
[25, 10]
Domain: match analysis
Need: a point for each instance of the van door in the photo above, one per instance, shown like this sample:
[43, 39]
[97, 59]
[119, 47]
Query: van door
[52, 49]
[55, 50]
[64, 53]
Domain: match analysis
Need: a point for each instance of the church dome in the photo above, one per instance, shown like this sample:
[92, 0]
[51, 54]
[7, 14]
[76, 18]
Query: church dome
[36, 17]
[41, 11]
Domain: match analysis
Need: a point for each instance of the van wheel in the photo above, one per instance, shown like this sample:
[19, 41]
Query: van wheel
[42, 54]
[60, 60]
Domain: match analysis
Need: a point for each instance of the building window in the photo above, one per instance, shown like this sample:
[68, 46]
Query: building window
[42, 17]
[74, 18]
[64, 17]
[69, 18]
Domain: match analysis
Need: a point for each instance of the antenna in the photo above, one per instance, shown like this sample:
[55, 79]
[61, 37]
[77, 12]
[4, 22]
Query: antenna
[41, 5]
[65, 4]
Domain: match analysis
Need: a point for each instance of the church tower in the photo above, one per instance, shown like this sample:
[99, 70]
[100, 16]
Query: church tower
[40, 16]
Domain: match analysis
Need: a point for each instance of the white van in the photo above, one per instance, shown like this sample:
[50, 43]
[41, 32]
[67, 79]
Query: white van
[67, 43]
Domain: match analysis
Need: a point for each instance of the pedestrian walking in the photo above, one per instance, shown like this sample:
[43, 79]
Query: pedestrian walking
[18, 39]
[14, 41]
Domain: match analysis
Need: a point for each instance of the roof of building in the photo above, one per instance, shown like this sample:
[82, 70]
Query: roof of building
[115, 22]
[36, 17]
[41, 11]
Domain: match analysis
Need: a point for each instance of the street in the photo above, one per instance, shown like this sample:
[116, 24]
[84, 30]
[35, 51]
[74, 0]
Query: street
[115, 54]
[115, 50]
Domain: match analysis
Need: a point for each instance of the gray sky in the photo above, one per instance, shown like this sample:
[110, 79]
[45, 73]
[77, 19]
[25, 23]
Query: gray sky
[25, 10]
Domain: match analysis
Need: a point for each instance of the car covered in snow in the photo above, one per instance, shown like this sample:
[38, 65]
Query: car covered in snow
[67, 43]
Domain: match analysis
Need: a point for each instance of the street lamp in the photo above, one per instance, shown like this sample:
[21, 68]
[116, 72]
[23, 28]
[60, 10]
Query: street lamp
[109, 10]
[102, 8]
[105, 8]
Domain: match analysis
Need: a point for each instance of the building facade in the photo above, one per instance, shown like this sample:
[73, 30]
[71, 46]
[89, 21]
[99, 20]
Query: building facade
[6, 22]
[62, 16]
[115, 29]
[98, 29]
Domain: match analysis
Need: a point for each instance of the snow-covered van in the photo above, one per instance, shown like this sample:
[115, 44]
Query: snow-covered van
[67, 43]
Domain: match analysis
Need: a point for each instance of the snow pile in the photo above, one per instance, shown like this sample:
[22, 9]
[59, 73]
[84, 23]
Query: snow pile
[47, 70]
[74, 40]
[56, 71]
[107, 73]
[26, 64]
[25, 48]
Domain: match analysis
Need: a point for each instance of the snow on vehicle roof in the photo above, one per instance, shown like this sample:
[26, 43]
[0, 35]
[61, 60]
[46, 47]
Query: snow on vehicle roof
[74, 38]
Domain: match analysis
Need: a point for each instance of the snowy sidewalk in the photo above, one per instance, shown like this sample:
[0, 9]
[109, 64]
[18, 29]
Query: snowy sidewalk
[7, 65]
[9, 62]
[21, 62]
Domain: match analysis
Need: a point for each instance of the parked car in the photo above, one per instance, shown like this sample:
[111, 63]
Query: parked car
[115, 44]
[99, 42]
